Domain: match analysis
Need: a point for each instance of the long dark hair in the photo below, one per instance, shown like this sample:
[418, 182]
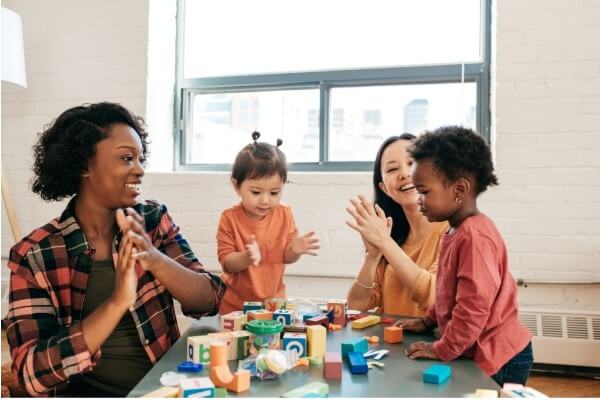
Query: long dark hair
[400, 227]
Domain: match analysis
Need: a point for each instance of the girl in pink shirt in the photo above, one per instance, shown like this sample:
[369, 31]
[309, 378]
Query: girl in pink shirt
[476, 296]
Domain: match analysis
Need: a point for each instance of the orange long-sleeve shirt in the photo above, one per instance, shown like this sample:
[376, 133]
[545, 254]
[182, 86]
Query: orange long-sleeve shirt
[256, 283]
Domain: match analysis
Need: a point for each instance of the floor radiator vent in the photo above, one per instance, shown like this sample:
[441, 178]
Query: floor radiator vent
[566, 338]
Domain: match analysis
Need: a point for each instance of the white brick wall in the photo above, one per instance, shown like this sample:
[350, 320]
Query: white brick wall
[546, 97]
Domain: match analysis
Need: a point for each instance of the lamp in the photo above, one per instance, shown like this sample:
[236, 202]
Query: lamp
[13, 71]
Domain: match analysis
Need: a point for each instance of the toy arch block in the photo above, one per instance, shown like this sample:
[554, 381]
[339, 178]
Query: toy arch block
[393, 334]
[221, 375]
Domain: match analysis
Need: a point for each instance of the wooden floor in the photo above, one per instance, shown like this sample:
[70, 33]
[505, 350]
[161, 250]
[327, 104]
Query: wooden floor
[550, 385]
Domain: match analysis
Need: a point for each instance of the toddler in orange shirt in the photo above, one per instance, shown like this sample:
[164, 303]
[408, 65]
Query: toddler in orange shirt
[257, 237]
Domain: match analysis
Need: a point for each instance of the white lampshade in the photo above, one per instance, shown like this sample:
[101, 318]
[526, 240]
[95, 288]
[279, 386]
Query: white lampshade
[13, 56]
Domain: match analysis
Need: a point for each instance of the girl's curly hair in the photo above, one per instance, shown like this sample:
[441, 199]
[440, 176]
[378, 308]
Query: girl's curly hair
[64, 148]
[457, 151]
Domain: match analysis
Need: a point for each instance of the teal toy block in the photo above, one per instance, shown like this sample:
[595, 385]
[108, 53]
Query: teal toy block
[313, 389]
[283, 316]
[437, 373]
[252, 306]
[358, 345]
[308, 316]
[357, 363]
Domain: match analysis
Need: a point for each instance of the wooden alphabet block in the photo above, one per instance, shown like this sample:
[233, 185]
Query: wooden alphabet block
[242, 342]
[333, 365]
[339, 308]
[259, 314]
[357, 363]
[275, 303]
[198, 348]
[437, 373]
[358, 345]
[283, 316]
[393, 334]
[317, 340]
[295, 342]
[252, 305]
[233, 321]
[196, 387]
[365, 322]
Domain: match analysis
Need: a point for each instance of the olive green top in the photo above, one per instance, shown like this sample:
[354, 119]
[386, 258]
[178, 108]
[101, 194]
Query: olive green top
[124, 361]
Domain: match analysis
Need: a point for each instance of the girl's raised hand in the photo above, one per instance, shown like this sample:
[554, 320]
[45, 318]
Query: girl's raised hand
[253, 251]
[421, 350]
[370, 221]
[305, 244]
[133, 229]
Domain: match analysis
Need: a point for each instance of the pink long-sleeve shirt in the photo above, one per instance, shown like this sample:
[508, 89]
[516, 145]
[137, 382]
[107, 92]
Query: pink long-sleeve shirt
[476, 298]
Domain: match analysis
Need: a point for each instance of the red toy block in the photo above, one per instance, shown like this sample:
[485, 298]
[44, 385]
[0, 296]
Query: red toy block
[318, 320]
[333, 365]
[387, 321]
[393, 334]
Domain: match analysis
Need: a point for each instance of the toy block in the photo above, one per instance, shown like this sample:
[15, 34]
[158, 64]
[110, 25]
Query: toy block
[308, 316]
[387, 321]
[230, 341]
[486, 393]
[188, 366]
[317, 340]
[220, 392]
[393, 334]
[252, 305]
[318, 320]
[221, 375]
[196, 387]
[437, 373]
[244, 343]
[333, 365]
[296, 342]
[283, 316]
[377, 364]
[259, 314]
[275, 303]
[334, 327]
[164, 391]
[330, 314]
[357, 363]
[365, 322]
[198, 348]
[354, 317]
[233, 321]
[358, 345]
[339, 308]
[296, 328]
[313, 389]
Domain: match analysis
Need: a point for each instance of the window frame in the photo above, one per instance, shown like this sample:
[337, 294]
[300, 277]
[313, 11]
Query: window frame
[324, 81]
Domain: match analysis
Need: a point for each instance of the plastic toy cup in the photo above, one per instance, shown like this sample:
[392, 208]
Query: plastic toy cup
[267, 333]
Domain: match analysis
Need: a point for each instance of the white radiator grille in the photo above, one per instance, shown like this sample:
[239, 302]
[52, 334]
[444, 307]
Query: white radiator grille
[562, 325]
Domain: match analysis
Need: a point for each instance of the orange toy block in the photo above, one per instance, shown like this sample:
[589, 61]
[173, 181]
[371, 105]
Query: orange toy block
[259, 314]
[393, 334]
[372, 339]
[220, 373]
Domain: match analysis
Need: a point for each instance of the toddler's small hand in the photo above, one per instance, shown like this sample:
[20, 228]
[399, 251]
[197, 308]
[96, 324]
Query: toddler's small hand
[306, 244]
[253, 251]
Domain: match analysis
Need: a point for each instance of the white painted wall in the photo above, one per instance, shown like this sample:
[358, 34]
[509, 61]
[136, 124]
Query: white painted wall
[546, 119]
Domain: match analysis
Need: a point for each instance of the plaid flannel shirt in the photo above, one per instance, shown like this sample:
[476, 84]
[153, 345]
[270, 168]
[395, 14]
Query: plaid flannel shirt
[48, 282]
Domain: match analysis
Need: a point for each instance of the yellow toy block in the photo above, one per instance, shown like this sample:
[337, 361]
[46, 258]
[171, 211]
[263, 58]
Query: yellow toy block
[164, 391]
[486, 393]
[317, 340]
[365, 322]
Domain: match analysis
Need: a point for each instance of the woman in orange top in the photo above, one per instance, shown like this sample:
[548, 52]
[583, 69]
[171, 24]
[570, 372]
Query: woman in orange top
[398, 277]
[258, 236]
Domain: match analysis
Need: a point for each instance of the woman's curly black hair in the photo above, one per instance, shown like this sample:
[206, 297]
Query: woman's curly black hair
[457, 152]
[64, 148]
[259, 160]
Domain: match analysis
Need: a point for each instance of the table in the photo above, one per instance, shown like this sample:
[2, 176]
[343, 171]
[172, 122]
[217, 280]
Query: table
[400, 377]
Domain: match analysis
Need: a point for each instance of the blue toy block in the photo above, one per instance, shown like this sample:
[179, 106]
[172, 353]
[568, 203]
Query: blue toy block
[357, 362]
[330, 314]
[283, 316]
[358, 345]
[189, 366]
[295, 341]
[437, 373]
[252, 306]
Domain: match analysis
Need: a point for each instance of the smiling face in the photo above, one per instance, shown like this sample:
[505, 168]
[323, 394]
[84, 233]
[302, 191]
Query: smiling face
[395, 174]
[260, 195]
[114, 175]
[436, 195]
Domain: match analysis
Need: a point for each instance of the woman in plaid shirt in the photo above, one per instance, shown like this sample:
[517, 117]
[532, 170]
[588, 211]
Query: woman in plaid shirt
[91, 292]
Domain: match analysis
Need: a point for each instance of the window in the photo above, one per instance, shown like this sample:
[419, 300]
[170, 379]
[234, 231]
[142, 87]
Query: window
[332, 79]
